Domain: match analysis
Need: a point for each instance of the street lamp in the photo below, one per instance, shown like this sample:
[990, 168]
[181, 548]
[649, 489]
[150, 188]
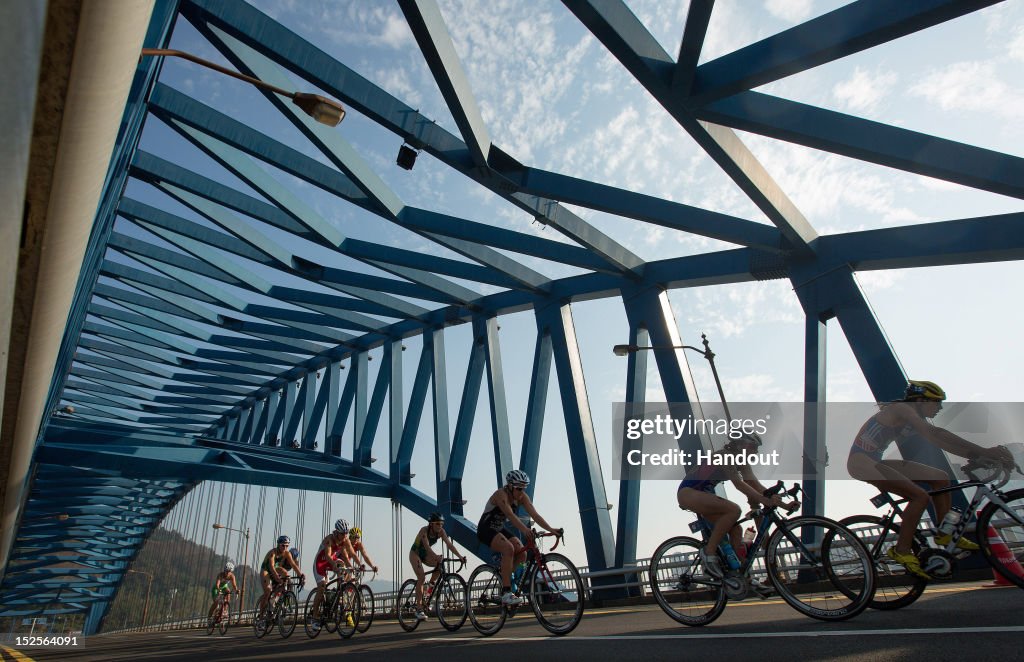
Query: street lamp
[623, 350]
[323, 110]
[149, 588]
[245, 560]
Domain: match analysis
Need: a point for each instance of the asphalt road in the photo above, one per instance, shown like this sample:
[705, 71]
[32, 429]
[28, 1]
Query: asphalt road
[950, 622]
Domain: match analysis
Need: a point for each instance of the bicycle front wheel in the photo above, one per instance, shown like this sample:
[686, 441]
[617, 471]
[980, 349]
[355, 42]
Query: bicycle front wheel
[287, 614]
[1001, 536]
[557, 594]
[225, 617]
[406, 606]
[211, 624]
[347, 610]
[366, 608]
[682, 587]
[483, 600]
[820, 568]
[895, 588]
[311, 621]
[450, 602]
[261, 622]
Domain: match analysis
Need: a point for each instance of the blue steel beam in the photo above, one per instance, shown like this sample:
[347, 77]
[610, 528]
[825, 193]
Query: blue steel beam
[850, 29]
[629, 41]
[536, 404]
[698, 17]
[485, 331]
[870, 141]
[556, 320]
[334, 147]
[650, 209]
[288, 50]
[428, 27]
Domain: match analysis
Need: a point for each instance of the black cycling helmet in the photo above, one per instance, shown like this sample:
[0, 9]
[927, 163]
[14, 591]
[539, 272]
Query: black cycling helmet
[435, 517]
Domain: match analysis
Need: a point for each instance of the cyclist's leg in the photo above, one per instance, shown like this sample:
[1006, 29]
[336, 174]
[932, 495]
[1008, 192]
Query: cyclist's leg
[722, 513]
[417, 566]
[935, 478]
[507, 549]
[321, 583]
[213, 605]
[433, 560]
[267, 582]
[887, 477]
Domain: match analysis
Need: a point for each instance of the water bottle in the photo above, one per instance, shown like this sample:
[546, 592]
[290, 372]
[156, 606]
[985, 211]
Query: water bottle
[730, 555]
[517, 575]
[949, 522]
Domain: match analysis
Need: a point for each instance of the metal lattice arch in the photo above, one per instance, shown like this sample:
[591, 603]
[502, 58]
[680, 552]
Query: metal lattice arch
[225, 315]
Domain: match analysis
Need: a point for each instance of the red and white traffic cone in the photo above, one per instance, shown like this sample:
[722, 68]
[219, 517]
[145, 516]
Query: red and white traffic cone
[1006, 558]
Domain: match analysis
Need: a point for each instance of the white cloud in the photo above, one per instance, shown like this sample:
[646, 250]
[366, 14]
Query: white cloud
[973, 87]
[789, 10]
[1016, 48]
[863, 91]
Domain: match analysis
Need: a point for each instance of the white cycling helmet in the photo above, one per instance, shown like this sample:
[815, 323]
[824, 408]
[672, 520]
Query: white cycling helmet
[341, 526]
[229, 567]
[517, 477]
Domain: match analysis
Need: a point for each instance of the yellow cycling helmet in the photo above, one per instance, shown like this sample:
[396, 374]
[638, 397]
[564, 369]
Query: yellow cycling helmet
[922, 389]
[355, 532]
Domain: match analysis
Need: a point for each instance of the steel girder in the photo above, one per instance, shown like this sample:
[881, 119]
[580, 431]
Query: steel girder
[195, 356]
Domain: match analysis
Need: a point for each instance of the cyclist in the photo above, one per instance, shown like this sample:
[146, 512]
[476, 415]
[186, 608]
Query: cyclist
[697, 493]
[355, 537]
[421, 554]
[922, 400]
[491, 529]
[333, 556]
[276, 564]
[223, 584]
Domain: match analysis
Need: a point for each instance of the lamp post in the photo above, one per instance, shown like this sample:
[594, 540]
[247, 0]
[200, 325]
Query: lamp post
[623, 350]
[149, 588]
[323, 110]
[245, 560]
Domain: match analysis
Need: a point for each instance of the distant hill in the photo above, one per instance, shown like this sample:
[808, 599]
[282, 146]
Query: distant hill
[183, 572]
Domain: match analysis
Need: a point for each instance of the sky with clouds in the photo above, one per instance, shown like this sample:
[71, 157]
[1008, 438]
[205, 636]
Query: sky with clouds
[554, 98]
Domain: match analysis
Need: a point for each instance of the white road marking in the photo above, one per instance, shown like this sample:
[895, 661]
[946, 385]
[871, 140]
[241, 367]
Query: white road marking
[745, 635]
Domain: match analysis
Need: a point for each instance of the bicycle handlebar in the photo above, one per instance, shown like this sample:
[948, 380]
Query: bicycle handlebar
[559, 537]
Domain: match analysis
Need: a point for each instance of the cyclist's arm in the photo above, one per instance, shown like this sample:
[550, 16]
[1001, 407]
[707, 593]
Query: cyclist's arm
[451, 545]
[754, 494]
[528, 506]
[366, 557]
[945, 439]
[234, 584]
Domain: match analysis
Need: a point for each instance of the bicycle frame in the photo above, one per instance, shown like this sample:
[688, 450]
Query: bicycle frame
[769, 519]
[982, 492]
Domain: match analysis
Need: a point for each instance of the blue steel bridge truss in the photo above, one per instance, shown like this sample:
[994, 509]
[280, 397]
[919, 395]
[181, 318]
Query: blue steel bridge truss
[176, 378]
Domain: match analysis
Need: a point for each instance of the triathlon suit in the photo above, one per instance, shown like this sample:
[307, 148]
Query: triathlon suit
[321, 566]
[874, 438]
[704, 477]
[222, 584]
[418, 547]
[492, 522]
[278, 562]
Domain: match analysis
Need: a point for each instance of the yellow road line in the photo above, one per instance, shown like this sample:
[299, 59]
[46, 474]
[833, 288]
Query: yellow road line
[17, 655]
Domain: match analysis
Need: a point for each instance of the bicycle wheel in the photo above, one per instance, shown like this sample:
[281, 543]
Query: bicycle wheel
[808, 559]
[211, 624]
[406, 606]
[366, 608]
[1007, 525]
[225, 617]
[287, 614]
[681, 586]
[483, 600]
[557, 594]
[450, 602]
[261, 622]
[347, 610]
[895, 588]
[312, 623]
